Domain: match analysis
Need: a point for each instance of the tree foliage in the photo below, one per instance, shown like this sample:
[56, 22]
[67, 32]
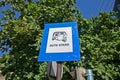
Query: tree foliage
[100, 46]
[99, 39]
[23, 34]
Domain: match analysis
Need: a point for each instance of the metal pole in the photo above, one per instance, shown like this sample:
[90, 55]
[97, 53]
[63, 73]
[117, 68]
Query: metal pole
[59, 70]
[90, 75]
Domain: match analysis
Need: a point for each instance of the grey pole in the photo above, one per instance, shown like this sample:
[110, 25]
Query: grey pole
[59, 71]
[89, 74]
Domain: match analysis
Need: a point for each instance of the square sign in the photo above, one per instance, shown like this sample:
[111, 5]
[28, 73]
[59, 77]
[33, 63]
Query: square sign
[60, 42]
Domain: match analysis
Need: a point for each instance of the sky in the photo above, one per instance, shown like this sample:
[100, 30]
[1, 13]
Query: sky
[88, 8]
[5, 8]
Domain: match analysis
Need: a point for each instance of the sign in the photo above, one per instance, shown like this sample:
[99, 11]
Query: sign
[60, 42]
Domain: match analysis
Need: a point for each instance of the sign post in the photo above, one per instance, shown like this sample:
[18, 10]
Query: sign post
[59, 70]
[60, 43]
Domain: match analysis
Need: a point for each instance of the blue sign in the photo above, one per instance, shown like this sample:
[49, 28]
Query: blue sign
[60, 42]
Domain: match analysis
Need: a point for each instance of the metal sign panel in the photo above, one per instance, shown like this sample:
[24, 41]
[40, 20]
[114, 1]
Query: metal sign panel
[60, 42]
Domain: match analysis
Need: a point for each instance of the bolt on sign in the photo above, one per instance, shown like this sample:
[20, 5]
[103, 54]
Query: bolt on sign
[60, 42]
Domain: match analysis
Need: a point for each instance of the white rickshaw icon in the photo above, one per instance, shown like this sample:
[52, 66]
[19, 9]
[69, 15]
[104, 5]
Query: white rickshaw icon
[60, 36]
